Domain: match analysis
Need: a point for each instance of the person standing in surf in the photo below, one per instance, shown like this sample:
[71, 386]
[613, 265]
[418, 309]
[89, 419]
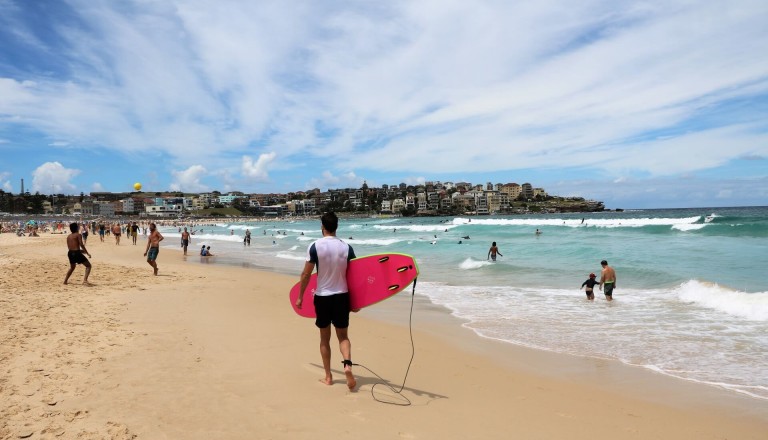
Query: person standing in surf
[607, 278]
[331, 256]
[590, 285]
[493, 251]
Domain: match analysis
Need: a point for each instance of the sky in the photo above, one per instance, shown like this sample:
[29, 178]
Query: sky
[640, 104]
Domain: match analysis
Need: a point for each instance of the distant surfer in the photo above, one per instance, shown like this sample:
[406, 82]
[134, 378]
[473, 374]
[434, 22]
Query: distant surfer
[538, 232]
[607, 279]
[590, 285]
[466, 237]
[331, 256]
[493, 251]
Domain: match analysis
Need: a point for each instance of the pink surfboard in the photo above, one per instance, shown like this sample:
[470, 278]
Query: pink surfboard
[370, 279]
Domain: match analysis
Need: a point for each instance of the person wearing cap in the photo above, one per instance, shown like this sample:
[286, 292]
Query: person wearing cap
[590, 285]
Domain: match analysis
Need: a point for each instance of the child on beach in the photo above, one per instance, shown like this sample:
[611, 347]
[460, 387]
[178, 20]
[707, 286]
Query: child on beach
[590, 285]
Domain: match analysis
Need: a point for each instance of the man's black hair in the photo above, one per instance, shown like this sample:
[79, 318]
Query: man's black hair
[330, 222]
[74, 227]
[604, 263]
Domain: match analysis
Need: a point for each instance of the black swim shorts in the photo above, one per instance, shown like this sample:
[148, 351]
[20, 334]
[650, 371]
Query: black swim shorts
[608, 289]
[332, 309]
[76, 257]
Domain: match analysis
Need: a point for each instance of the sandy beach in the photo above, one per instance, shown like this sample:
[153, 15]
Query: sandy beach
[205, 351]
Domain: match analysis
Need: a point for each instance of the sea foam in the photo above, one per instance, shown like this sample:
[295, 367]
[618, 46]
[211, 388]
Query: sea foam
[471, 264]
[752, 306]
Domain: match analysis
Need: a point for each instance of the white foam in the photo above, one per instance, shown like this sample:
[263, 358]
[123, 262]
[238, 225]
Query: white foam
[289, 256]
[472, 264]
[419, 228]
[197, 238]
[374, 241]
[600, 222]
[689, 226]
[752, 306]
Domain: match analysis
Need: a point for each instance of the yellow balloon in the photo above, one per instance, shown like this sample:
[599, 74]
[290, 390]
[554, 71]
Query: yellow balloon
[137, 186]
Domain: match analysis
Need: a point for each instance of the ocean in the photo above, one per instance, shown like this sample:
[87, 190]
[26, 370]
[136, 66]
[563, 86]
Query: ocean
[691, 299]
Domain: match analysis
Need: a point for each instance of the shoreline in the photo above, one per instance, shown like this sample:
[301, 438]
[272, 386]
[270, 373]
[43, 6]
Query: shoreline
[382, 313]
[212, 351]
[598, 372]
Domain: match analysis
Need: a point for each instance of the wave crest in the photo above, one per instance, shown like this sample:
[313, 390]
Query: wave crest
[752, 306]
[472, 264]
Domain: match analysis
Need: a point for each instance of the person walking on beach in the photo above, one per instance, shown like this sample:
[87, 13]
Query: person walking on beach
[185, 238]
[493, 251]
[134, 232]
[84, 233]
[116, 233]
[76, 249]
[590, 285]
[607, 279]
[153, 246]
[331, 256]
[247, 239]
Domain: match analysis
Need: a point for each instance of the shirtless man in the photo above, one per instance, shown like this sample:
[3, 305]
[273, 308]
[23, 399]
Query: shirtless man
[607, 278]
[76, 249]
[493, 251]
[185, 240]
[153, 246]
[116, 233]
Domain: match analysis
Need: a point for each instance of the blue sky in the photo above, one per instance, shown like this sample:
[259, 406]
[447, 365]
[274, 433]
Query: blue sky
[639, 104]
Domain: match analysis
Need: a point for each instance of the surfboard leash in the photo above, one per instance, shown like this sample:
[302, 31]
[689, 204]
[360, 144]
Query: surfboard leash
[407, 370]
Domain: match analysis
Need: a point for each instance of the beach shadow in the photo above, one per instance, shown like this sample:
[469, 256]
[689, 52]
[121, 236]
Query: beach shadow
[384, 391]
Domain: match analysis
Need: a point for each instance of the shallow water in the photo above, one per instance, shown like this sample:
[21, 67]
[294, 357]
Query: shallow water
[691, 298]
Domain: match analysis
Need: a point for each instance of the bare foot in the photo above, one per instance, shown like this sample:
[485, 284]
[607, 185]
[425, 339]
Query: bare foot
[328, 380]
[86, 283]
[351, 382]
[155, 271]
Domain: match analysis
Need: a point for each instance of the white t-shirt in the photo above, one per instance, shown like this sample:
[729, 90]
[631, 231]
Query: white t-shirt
[331, 256]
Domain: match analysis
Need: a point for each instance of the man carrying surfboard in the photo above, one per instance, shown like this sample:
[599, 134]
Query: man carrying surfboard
[331, 300]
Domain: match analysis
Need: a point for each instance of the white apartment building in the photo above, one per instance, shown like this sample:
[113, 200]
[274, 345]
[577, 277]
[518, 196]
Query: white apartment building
[163, 210]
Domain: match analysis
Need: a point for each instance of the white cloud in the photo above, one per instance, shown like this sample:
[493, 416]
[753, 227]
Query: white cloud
[53, 177]
[431, 86]
[330, 180]
[257, 171]
[97, 187]
[189, 180]
[668, 192]
[59, 144]
[6, 184]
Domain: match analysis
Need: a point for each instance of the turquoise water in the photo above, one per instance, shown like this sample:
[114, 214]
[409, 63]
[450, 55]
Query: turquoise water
[691, 301]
